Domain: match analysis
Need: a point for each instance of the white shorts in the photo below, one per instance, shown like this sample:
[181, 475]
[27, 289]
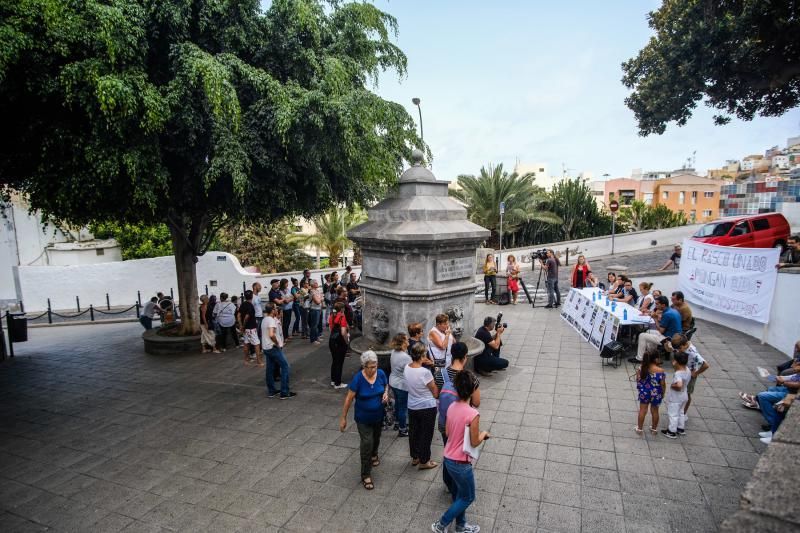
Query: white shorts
[251, 337]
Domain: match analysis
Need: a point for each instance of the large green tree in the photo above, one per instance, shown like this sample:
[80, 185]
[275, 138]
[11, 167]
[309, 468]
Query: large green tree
[482, 195]
[196, 113]
[266, 246]
[573, 201]
[742, 57]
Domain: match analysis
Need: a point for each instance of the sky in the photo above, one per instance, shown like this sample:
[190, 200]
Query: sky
[539, 81]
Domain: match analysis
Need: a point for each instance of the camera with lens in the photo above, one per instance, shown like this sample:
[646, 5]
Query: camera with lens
[541, 255]
[499, 322]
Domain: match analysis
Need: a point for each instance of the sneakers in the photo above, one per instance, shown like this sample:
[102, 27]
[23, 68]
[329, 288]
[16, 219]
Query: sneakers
[273, 394]
[437, 527]
[468, 528]
[402, 433]
[681, 431]
[333, 384]
[765, 434]
[766, 440]
[340, 386]
[670, 435]
[287, 396]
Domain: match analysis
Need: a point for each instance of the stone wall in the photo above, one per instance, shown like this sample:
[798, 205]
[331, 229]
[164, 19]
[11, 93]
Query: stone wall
[770, 499]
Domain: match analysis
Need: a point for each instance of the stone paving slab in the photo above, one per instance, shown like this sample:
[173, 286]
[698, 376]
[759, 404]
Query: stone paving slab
[98, 436]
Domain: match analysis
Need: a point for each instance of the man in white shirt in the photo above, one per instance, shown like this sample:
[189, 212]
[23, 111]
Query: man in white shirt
[258, 306]
[272, 340]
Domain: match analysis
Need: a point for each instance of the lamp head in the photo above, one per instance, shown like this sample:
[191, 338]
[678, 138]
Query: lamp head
[415, 101]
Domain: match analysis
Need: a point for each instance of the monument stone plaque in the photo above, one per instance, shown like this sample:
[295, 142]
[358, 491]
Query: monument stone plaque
[461, 267]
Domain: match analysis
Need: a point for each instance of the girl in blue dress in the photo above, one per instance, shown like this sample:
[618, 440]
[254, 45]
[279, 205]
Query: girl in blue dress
[651, 384]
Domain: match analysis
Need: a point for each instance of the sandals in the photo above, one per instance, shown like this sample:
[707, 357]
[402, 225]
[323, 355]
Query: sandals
[376, 461]
[638, 430]
[414, 462]
[428, 465]
[749, 401]
[653, 430]
[368, 484]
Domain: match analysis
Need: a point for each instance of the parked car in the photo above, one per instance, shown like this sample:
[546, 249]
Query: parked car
[768, 230]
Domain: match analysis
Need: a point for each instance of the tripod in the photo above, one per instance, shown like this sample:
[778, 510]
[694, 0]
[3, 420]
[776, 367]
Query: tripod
[538, 282]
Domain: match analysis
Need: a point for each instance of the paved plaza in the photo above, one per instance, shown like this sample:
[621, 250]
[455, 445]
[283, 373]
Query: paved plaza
[98, 436]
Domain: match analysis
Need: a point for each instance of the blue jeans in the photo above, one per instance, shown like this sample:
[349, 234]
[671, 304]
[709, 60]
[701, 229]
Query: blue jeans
[275, 356]
[767, 400]
[297, 319]
[146, 322]
[315, 324]
[401, 408]
[462, 487]
[551, 291]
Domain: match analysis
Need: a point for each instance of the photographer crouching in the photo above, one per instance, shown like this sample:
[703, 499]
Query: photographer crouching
[491, 335]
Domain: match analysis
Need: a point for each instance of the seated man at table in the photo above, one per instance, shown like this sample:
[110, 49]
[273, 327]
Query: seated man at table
[490, 358]
[667, 324]
[680, 305]
[628, 294]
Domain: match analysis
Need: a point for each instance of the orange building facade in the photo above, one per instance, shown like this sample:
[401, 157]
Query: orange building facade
[696, 197]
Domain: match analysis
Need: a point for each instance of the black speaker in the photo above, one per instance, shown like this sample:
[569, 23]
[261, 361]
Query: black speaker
[611, 350]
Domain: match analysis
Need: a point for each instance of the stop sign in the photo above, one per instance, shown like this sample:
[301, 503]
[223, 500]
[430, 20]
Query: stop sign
[613, 205]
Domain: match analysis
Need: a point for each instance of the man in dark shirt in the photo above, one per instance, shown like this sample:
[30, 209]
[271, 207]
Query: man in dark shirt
[680, 305]
[249, 326]
[551, 267]
[352, 288]
[674, 259]
[275, 295]
[490, 358]
[791, 257]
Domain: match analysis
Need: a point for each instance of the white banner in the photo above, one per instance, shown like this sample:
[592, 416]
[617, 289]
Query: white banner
[735, 281]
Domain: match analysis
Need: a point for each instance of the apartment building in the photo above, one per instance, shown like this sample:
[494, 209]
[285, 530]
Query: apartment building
[692, 195]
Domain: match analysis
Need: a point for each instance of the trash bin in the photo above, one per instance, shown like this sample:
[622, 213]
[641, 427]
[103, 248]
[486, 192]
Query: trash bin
[17, 327]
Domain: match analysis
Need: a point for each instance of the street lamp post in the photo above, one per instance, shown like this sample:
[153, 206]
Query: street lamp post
[416, 102]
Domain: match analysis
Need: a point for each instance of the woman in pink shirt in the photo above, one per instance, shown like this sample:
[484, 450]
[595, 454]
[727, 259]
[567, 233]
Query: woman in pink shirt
[458, 464]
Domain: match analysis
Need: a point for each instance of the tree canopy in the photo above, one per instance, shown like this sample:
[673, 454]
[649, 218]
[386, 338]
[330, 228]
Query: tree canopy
[741, 57]
[330, 232]
[197, 114]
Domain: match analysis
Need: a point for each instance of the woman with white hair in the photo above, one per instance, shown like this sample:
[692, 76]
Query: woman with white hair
[370, 390]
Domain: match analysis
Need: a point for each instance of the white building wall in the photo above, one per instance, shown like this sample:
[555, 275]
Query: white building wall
[121, 280]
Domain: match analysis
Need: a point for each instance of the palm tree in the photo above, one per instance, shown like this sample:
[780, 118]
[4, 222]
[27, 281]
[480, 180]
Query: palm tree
[635, 217]
[662, 216]
[482, 196]
[331, 231]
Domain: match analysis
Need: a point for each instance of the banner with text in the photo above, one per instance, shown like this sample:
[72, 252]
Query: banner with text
[735, 281]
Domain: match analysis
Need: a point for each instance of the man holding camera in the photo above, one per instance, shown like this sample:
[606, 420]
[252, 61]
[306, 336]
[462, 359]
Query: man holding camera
[490, 359]
[551, 280]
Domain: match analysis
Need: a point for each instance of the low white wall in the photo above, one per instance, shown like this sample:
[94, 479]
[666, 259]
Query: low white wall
[122, 279]
[623, 242]
[783, 329]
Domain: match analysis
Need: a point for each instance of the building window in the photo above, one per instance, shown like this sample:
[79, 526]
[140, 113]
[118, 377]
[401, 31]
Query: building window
[541, 169]
[611, 196]
[708, 194]
[706, 212]
[681, 197]
[665, 195]
[692, 215]
[648, 198]
[694, 197]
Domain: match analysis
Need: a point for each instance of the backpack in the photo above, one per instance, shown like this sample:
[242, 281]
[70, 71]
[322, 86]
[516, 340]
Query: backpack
[504, 299]
[446, 397]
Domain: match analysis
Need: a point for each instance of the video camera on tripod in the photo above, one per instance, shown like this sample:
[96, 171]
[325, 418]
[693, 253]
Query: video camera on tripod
[541, 255]
[499, 322]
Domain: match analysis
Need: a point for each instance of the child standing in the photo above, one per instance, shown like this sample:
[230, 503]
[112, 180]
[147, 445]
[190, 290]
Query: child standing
[677, 396]
[651, 384]
[696, 365]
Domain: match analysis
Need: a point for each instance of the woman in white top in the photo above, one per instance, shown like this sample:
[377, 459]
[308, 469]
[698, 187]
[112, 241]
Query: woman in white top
[397, 381]
[440, 341]
[646, 300]
[422, 394]
[225, 316]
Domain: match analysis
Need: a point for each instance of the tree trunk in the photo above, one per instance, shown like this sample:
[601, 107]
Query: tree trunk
[186, 270]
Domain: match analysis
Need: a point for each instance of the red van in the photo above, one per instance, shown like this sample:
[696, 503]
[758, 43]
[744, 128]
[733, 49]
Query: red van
[768, 230]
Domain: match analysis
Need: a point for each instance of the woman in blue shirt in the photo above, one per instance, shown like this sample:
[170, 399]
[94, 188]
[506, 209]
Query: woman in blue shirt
[370, 390]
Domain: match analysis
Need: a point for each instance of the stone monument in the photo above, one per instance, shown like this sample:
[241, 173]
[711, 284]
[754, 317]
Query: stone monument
[418, 252]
